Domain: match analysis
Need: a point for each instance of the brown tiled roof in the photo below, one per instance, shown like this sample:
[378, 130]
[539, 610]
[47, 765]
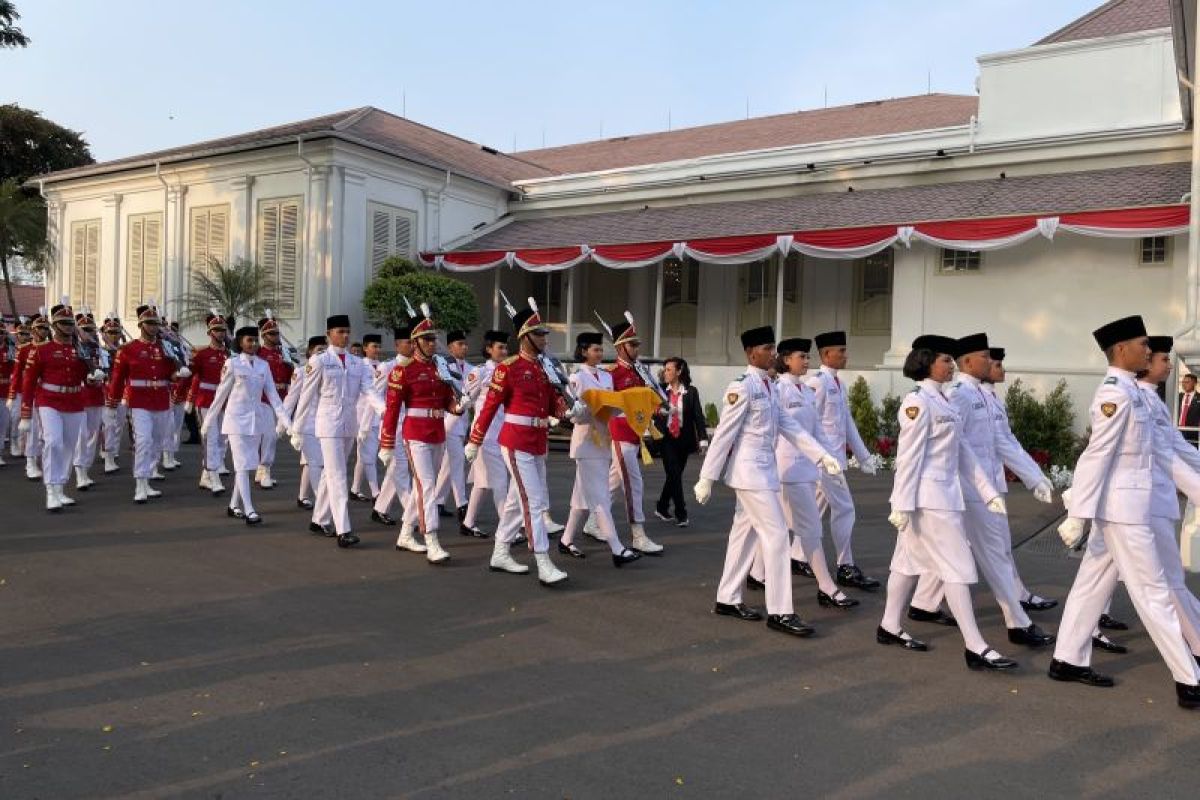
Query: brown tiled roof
[29, 298]
[873, 118]
[1112, 18]
[367, 125]
[1129, 187]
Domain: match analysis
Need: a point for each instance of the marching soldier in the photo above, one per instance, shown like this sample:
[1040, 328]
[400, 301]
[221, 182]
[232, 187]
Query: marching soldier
[9, 421]
[488, 473]
[111, 336]
[833, 494]
[29, 440]
[93, 404]
[453, 474]
[742, 455]
[208, 365]
[279, 360]
[1113, 487]
[367, 449]
[311, 464]
[397, 480]
[179, 392]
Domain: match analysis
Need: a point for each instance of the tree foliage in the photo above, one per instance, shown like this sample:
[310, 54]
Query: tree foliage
[243, 291]
[10, 34]
[22, 232]
[32, 145]
[452, 301]
[1043, 427]
[862, 409]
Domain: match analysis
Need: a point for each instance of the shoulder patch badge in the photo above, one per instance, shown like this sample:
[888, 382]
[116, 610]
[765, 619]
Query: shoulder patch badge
[1110, 381]
[912, 411]
[732, 398]
[1108, 409]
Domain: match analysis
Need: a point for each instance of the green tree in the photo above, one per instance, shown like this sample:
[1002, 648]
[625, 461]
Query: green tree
[22, 232]
[889, 418]
[242, 291]
[32, 145]
[10, 34]
[862, 409]
[1045, 427]
[452, 301]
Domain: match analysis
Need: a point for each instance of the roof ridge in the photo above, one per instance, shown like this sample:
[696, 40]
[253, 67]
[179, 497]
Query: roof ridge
[1079, 21]
[354, 117]
[485, 148]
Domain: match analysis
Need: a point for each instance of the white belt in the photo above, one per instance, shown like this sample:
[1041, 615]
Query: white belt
[53, 387]
[528, 422]
[208, 387]
[435, 413]
[138, 383]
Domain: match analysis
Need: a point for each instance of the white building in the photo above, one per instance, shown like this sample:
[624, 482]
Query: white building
[936, 213]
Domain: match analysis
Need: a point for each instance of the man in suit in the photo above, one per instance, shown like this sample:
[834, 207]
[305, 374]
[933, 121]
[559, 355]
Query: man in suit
[1189, 409]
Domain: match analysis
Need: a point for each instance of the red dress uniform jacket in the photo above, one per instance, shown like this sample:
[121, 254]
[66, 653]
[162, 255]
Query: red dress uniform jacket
[15, 386]
[624, 377]
[207, 363]
[6, 370]
[281, 370]
[415, 387]
[142, 376]
[53, 378]
[521, 386]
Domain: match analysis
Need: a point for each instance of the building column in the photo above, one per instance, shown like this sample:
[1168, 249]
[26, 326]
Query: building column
[780, 266]
[908, 302]
[110, 231]
[659, 297]
[317, 278]
[174, 283]
[433, 220]
[57, 283]
[350, 247]
[496, 298]
[241, 223]
[569, 307]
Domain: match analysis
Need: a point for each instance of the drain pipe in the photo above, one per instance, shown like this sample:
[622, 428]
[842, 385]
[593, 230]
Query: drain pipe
[166, 273]
[1188, 347]
[309, 236]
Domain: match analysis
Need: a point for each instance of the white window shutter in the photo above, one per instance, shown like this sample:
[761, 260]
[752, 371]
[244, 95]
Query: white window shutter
[287, 279]
[198, 255]
[381, 238]
[133, 269]
[91, 264]
[78, 261]
[218, 236]
[152, 257]
[404, 237]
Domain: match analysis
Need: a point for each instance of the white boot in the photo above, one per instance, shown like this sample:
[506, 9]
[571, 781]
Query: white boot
[62, 497]
[151, 491]
[214, 483]
[204, 479]
[14, 449]
[142, 490]
[548, 574]
[434, 552]
[264, 478]
[52, 501]
[223, 470]
[82, 480]
[592, 529]
[406, 540]
[552, 527]
[110, 464]
[502, 560]
[32, 470]
[641, 542]
[3, 463]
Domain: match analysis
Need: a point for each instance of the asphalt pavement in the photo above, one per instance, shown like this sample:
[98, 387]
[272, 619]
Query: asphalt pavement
[166, 650]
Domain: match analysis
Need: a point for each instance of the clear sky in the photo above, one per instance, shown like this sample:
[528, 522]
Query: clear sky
[140, 75]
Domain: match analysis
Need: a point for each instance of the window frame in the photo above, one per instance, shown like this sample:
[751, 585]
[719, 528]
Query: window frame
[1140, 251]
[132, 301]
[395, 213]
[88, 295]
[284, 310]
[975, 255]
[857, 325]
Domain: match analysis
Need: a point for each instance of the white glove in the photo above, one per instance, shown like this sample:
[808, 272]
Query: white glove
[578, 409]
[97, 376]
[1071, 531]
[281, 427]
[189, 407]
[386, 455]
[1066, 497]
[552, 422]
[996, 506]
[1044, 492]
[23, 426]
[297, 442]
[867, 466]
[363, 435]
[703, 490]
[703, 445]
[470, 451]
[205, 428]
[183, 372]
[829, 465]
[899, 519]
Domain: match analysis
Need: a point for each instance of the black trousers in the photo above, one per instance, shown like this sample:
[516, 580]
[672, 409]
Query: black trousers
[674, 457]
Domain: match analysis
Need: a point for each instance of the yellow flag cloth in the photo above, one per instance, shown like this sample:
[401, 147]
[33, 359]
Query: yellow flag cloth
[638, 404]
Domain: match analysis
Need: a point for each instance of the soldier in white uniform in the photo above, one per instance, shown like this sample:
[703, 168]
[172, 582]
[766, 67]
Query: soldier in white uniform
[988, 533]
[933, 460]
[833, 409]
[1113, 487]
[366, 464]
[397, 480]
[245, 379]
[310, 449]
[742, 454]
[452, 477]
[591, 447]
[335, 381]
[488, 473]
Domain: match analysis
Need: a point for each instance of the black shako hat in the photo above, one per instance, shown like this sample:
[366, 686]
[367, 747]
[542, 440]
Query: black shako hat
[455, 336]
[403, 333]
[935, 343]
[1161, 344]
[971, 344]
[756, 336]
[316, 341]
[337, 321]
[589, 338]
[794, 345]
[495, 336]
[1120, 330]
[249, 330]
[372, 338]
[996, 353]
[830, 339]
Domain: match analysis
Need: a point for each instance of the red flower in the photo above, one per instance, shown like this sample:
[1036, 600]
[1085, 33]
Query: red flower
[884, 446]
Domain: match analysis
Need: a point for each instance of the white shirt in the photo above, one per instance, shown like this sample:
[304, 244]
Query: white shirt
[986, 429]
[1172, 453]
[833, 410]
[331, 392]
[799, 401]
[244, 380]
[589, 437]
[459, 424]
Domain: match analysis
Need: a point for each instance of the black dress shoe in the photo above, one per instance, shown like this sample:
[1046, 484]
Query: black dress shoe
[1035, 603]
[324, 530]
[253, 518]
[802, 568]
[462, 514]
[1033, 636]
[304, 503]
[1062, 671]
[381, 518]
[347, 540]
[1110, 624]
[236, 513]
[852, 576]
[936, 617]
[1109, 646]
[884, 636]
[442, 512]
[789, 623]
[827, 601]
[739, 610]
[626, 556]
[981, 661]
[1187, 695]
[754, 583]
[475, 532]
[520, 538]
[571, 550]
[359, 496]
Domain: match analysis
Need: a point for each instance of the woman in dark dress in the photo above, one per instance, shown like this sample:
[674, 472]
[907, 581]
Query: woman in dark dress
[684, 432]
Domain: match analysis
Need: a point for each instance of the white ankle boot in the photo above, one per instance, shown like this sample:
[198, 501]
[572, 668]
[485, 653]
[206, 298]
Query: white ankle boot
[641, 542]
[52, 501]
[434, 552]
[502, 560]
[552, 527]
[548, 574]
[151, 491]
[214, 483]
[141, 490]
[82, 480]
[110, 464]
[204, 479]
[32, 470]
[406, 541]
[62, 497]
[264, 478]
[592, 529]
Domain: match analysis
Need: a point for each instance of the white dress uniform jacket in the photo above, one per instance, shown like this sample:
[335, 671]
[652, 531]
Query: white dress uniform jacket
[987, 432]
[1176, 461]
[244, 380]
[589, 437]
[330, 394]
[369, 415]
[459, 424]
[833, 409]
[799, 401]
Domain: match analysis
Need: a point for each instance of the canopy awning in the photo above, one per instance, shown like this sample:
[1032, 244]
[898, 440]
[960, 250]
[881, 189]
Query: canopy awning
[1129, 202]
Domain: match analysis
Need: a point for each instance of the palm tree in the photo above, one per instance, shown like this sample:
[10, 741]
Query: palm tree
[10, 34]
[244, 290]
[22, 232]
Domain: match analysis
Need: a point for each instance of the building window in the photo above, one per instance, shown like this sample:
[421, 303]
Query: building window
[85, 262]
[871, 314]
[390, 230]
[1154, 250]
[143, 261]
[547, 291]
[279, 250]
[681, 295]
[208, 240]
[954, 262]
[681, 282]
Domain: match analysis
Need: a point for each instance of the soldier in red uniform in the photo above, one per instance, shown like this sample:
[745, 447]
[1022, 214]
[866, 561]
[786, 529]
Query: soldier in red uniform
[93, 401]
[52, 381]
[29, 442]
[179, 392]
[111, 337]
[279, 361]
[520, 385]
[207, 364]
[143, 369]
[626, 472]
[425, 399]
[9, 343]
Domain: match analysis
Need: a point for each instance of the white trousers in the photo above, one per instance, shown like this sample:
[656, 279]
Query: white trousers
[453, 472]
[833, 495]
[527, 499]
[89, 436]
[758, 522]
[1123, 552]
[991, 543]
[366, 463]
[60, 434]
[151, 433]
[171, 445]
[488, 473]
[111, 434]
[314, 466]
[421, 509]
[215, 443]
[267, 440]
[7, 429]
[626, 475]
[397, 482]
[32, 446]
[333, 497]
[1186, 604]
[799, 501]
